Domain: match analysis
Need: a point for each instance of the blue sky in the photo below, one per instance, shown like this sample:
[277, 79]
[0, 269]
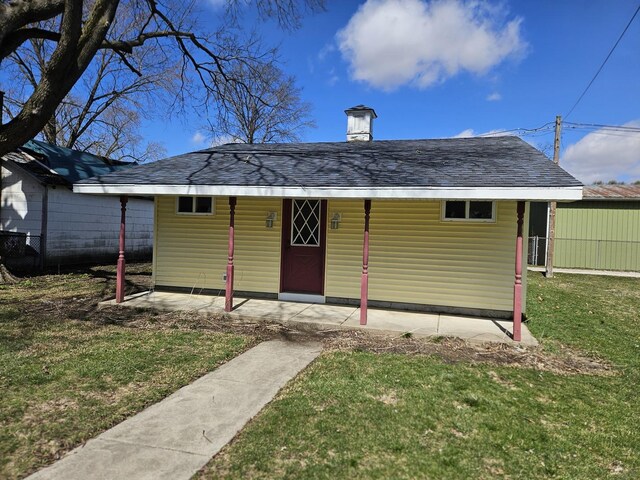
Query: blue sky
[454, 67]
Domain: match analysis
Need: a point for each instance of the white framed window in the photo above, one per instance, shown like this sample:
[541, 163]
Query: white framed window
[193, 205]
[468, 211]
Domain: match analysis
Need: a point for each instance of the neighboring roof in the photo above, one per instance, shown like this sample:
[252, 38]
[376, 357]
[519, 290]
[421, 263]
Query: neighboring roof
[467, 167]
[62, 166]
[36, 169]
[612, 192]
[74, 165]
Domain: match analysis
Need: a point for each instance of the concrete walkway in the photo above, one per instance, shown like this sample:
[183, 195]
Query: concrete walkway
[314, 316]
[582, 271]
[173, 439]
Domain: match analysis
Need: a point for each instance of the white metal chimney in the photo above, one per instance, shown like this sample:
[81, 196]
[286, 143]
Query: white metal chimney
[360, 123]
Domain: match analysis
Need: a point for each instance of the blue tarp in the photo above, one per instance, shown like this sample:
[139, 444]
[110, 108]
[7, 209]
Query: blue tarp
[74, 165]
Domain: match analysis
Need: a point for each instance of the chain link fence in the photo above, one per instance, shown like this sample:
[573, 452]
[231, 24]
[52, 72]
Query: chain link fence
[21, 250]
[587, 254]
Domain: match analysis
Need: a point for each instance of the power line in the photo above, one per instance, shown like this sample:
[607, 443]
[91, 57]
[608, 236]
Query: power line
[603, 129]
[622, 128]
[610, 133]
[603, 63]
[521, 131]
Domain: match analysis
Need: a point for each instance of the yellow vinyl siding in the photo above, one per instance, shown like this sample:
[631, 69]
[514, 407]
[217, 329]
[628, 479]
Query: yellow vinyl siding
[344, 249]
[257, 252]
[417, 258]
[414, 256]
[192, 249]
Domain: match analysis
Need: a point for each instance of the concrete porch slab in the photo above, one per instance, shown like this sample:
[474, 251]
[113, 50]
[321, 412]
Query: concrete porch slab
[418, 324]
[476, 329]
[265, 309]
[330, 317]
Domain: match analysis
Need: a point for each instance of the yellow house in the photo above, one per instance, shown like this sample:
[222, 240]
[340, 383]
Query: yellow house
[432, 225]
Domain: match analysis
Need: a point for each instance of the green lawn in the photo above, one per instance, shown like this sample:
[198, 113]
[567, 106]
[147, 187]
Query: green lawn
[358, 414]
[68, 371]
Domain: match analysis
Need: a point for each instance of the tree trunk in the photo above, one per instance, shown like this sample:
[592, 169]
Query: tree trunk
[5, 275]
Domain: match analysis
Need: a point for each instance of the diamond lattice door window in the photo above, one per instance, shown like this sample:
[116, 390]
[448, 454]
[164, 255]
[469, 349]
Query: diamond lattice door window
[305, 223]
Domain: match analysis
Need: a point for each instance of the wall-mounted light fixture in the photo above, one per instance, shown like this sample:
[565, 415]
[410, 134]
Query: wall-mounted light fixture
[271, 217]
[335, 221]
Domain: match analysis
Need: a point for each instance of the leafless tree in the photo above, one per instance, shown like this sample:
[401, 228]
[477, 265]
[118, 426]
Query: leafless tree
[262, 106]
[84, 27]
[104, 110]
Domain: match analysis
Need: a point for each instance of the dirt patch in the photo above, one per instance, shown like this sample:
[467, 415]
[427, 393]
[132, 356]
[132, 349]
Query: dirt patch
[388, 398]
[36, 411]
[566, 362]
[185, 320]
[112, 397]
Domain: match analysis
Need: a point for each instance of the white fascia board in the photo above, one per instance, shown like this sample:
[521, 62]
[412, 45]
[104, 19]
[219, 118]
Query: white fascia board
[432, 193]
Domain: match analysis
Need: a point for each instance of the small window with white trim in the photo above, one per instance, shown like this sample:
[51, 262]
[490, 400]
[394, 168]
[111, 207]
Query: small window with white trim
[194, 205]
[468, 211]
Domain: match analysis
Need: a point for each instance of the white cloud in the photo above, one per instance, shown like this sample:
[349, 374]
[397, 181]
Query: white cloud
[325, 51]
[333, 77]
[216, 4]
[494, 97]
[223, 139]
[389, 43]
[605, 155]
[198, 138]
[470, 132]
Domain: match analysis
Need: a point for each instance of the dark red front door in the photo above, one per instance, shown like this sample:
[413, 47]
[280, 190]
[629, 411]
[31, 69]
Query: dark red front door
[304, 231]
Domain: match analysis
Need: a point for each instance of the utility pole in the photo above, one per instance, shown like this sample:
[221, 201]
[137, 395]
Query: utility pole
[551, 234]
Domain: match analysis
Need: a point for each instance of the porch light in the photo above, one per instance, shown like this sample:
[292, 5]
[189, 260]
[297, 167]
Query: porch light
[271, 217]
[335, 221]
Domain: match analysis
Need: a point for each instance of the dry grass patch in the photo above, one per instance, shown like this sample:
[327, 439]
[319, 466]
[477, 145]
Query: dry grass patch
[562, 359]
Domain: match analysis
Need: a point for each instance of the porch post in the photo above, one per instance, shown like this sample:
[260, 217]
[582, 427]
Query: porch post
[228, 294]
[364, 282]
[120, 271]
[517, 287]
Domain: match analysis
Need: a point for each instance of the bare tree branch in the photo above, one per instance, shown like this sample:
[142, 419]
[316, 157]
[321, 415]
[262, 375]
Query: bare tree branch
[14, 39]
[85, 27]
[262, 105]
[20, 13]
[76, 48]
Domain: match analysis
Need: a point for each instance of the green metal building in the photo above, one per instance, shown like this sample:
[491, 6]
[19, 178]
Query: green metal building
[600, 232]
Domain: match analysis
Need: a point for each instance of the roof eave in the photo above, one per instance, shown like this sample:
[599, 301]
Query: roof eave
[567, 193]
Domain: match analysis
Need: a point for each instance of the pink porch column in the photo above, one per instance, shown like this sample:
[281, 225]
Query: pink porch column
[228, 294]
[517, 287]
[364, 282]
[120, 271]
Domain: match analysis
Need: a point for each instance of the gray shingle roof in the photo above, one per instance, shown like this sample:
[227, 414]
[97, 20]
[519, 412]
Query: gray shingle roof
[453, 162]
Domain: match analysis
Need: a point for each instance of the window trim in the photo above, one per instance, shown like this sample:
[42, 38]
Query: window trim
[467, 206]
[193, 205]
